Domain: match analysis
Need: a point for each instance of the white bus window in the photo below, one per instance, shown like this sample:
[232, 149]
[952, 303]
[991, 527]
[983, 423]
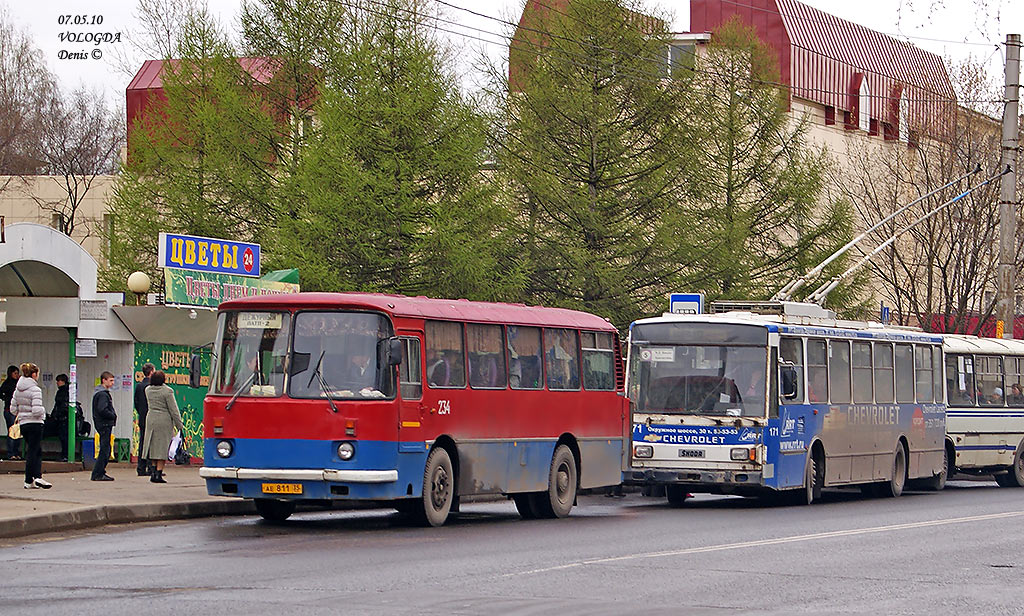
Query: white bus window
[817, 371]
[904, 373]
[883, 373]
[598, 361]
[923, 372]
[960, 389]
[990, 380]
[862, 390]
[839, 371]
[1014, 381]
[791, 350]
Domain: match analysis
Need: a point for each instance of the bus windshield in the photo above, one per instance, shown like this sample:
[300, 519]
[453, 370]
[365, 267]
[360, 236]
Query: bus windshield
[251, 348]
[698, 379]
[340, 354]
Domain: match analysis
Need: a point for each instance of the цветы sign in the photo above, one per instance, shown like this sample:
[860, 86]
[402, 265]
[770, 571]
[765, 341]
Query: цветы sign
[203, 254]
[189, 288]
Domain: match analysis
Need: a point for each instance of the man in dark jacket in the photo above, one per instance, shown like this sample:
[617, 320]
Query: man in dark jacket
[103, 417]
[142, 407]
[59, 414]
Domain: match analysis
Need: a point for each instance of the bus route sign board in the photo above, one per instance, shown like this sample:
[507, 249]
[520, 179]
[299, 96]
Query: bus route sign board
[204, 254]
[686, 303]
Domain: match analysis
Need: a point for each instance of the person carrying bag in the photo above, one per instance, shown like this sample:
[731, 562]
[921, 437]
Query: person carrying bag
[27, 407]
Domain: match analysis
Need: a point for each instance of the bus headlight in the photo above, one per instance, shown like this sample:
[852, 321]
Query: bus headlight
[225, 449]
[743, 454]
[346, 450]
[643, 451]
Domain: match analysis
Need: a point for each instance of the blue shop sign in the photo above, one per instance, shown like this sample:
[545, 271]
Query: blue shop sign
[206, 254]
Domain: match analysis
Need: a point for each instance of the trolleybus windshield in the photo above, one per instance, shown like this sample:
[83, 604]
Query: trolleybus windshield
[679, 368]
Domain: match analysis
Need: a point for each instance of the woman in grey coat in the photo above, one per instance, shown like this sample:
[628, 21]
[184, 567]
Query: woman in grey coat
[162, 420]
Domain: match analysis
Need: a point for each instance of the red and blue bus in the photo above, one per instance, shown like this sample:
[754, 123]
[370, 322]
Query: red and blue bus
[418, 402]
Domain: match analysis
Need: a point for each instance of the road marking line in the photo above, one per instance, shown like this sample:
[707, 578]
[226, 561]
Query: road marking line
[778, 541]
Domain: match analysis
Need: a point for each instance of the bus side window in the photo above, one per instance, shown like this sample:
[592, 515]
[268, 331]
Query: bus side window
[923, 370]
[561, 359]
[445, 364]
[959, 381]
[990, 380]
[525, 369]
[904, 373]
[862, 389]
[791, 350]
[409, 378]
[486, 356]
[937, 373]
[1014, 381]
[884, 384]
[598, 361]
[839, 370]
[817, 371]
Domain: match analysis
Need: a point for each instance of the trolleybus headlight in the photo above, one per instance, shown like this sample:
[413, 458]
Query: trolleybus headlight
[643, 451]
[346, 451]
[741, 453]
[224, 449]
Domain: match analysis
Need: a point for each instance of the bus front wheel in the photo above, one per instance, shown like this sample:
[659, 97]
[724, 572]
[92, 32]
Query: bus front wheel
[677, 495]
[561, 492]
[274, 510]
[438, 488]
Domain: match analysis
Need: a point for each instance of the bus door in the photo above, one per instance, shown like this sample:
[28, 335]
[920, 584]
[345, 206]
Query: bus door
[410, 406]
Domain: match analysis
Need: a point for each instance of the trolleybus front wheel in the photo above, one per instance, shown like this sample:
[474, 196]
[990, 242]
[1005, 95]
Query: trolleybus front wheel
[677, 495]
[438, 488]
[1014, 477]
[812, 482]
[274, 510]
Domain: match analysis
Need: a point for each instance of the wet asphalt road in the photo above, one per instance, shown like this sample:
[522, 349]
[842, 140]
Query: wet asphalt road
[957, 552]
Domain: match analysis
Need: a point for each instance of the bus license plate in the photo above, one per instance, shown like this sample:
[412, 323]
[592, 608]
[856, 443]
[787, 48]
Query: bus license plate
[691, 453]
[282, 488]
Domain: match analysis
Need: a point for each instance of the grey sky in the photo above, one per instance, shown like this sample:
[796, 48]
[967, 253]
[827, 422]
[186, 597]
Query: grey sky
[950, 20]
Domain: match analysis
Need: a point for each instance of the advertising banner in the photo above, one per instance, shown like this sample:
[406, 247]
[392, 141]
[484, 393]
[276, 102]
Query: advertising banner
[204, 254]
[190, 288]
[173, 360]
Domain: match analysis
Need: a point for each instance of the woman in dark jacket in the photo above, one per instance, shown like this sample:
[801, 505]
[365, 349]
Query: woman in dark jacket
[6, 394]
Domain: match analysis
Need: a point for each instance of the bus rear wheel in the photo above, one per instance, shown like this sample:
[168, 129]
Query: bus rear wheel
[274, 510]
[894, 487]
[561, 493]
[525, 505]
[438, 489]
[938, 482]
[1014, 478]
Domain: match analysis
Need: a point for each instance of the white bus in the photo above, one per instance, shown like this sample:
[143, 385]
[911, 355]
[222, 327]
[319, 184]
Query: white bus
[985, 406]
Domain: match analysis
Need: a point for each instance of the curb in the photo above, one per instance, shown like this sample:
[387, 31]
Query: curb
[87, 517]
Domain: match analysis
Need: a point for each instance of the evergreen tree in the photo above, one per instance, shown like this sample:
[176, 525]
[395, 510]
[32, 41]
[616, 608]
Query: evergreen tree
[592, 149]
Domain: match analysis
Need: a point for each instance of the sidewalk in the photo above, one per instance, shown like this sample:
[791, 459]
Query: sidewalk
[76, 502]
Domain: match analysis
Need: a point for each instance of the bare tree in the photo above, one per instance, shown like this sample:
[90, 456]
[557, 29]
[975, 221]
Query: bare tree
[157, 36]
[81, 140]
[26, 88]
[941, 274]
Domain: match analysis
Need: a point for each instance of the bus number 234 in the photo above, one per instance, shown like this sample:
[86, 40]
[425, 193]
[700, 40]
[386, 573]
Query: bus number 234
[444, 407]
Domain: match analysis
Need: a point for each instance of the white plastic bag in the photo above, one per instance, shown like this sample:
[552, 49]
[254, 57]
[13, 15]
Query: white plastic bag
[175, 441]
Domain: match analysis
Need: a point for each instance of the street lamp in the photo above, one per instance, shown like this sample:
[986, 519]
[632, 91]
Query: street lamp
[138, 283]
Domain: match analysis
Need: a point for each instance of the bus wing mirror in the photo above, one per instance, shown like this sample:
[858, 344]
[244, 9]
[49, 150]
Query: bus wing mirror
[195, 370]
[394, 351]
[789, 382]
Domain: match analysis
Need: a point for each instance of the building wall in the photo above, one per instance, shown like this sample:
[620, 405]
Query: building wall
[33, 199]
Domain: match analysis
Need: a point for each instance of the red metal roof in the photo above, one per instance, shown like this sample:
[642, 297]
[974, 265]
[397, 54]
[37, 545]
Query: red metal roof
[428, 308]
[150, 76]
[824, 58]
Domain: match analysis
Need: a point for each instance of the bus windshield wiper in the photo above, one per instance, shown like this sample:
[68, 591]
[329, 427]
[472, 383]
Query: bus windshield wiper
[238, 392]
[323, 382]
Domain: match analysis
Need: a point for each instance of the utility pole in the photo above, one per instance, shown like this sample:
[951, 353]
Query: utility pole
[1006, 307]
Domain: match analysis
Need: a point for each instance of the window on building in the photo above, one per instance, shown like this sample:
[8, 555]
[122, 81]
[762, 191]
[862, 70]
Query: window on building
[681, 59]
[903, 108]
[864, 106]
[830, 115]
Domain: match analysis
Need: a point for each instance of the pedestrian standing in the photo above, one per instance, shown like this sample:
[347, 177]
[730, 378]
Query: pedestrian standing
[142, 408]
[7, 394]
[162, 421]
[103, 417]
[60, 413]
[27, 405]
